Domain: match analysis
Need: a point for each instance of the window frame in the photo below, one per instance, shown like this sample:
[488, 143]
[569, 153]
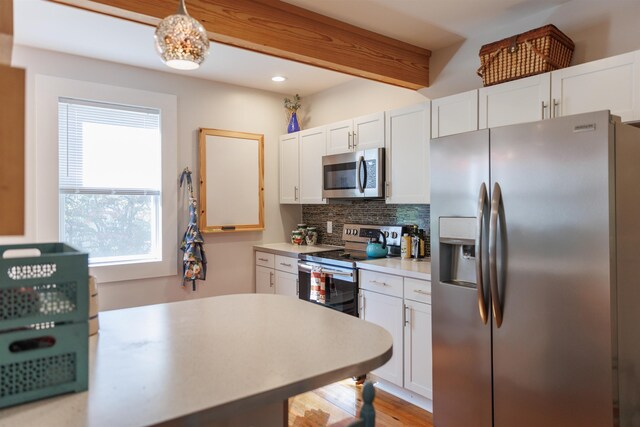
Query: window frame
[48, 91]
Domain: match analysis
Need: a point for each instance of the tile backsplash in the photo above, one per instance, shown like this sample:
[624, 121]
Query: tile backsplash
[375, 212]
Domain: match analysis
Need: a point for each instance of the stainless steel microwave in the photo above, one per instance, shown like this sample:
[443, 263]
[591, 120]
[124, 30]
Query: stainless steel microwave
[353, 175]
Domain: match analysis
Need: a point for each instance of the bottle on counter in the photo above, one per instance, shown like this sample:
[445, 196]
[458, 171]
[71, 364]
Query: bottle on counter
[405, 246]
[422, 244]
[415, 246]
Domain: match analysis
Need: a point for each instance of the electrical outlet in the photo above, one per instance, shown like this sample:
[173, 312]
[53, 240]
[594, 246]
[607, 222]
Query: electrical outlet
[329, 227]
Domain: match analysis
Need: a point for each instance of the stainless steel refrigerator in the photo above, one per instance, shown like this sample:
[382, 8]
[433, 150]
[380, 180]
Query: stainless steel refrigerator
[536, 275]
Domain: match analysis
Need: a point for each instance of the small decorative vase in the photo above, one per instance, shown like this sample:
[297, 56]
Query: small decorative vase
[293, 124]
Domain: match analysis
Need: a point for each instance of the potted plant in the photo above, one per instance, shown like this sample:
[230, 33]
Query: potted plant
[292, 106]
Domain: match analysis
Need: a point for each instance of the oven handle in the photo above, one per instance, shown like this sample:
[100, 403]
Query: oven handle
[325, 271]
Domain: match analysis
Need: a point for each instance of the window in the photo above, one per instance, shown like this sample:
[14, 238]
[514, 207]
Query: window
[110, 180]
[105, 174]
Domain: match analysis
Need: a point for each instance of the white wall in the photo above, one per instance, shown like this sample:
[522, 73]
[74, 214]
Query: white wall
[201, 103]
[352, 99]
[599, 28]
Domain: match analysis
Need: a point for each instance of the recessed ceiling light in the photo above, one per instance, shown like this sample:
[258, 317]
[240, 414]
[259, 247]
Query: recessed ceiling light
[278, 78]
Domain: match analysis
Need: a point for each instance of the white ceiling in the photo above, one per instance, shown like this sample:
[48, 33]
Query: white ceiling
[432, 24]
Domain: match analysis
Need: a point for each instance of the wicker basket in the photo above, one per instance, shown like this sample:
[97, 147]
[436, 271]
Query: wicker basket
[537, 51]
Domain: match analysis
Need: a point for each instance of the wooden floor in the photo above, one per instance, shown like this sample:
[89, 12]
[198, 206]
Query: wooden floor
[337, 405]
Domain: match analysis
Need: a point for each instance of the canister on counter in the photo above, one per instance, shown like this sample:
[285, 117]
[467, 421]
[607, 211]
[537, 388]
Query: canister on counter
[312, 236]
[405, 246]
[297, 237]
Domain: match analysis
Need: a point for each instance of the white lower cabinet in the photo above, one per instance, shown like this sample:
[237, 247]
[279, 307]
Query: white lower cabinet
[417, 348]
[386, 311]
[286, 283]
[265, 280]
[276, 274]
[406, 314]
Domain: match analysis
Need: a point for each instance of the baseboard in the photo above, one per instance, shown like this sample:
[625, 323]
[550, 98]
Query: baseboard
[404, 394]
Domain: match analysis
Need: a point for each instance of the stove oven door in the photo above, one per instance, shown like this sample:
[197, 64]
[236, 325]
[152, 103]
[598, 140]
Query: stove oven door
[341, 286]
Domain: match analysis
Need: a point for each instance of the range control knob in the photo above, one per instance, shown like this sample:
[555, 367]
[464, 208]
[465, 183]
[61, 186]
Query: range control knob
[394, 235]
[354, 232]
[348, 231]
[386, 234]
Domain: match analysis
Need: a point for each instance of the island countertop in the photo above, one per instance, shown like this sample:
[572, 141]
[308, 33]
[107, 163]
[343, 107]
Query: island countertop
[208, 359]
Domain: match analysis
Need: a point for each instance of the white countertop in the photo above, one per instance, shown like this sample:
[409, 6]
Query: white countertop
[402, 267]
[212, 356]
[288, 249]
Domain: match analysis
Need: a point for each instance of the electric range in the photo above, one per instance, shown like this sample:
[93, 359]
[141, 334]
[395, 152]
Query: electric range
[335, 271]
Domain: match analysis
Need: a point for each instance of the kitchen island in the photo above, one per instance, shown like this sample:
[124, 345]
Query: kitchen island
[222, 361]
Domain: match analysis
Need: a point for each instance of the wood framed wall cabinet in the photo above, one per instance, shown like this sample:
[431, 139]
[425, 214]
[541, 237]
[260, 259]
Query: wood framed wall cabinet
[231, 181]
[12, 90]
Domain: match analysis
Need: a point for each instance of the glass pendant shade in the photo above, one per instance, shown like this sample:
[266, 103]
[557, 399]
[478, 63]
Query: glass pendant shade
[181, 41]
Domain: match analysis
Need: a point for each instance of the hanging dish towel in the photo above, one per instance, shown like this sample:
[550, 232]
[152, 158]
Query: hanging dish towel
[318, 285]
[194, 261]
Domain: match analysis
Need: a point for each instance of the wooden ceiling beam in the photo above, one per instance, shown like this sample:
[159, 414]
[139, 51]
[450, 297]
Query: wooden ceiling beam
[280, 29]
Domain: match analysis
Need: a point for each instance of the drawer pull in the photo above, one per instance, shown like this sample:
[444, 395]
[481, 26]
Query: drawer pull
[263, 259]
[420, 291]
[379, 283]
[286, 265]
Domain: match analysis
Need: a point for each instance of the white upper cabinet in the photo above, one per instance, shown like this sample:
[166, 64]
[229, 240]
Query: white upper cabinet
[518, 101]
[407, 154]
[360, 133]
[289, 171]
[454, 114]
[607, 84]
[339, 137]
[368, 131]
[312, 148]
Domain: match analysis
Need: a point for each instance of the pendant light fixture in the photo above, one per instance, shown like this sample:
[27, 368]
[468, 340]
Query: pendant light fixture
[182, 41]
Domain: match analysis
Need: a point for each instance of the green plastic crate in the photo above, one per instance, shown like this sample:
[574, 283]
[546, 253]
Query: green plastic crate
[39, 363]
[52, 287]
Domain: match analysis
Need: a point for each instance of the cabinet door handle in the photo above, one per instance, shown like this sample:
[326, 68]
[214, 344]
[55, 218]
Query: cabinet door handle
[554, 109]
[544, 107]
[379, 283]
[354, 140]
[388, 189]
[420, 291]
[263, 259]
[405, 315]
[286, 265]
[271, 281]
[349, 140]
[295, 193]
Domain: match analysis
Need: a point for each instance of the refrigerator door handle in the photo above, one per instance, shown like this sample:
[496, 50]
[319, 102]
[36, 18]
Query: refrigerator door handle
[482, 202]
[493, 267]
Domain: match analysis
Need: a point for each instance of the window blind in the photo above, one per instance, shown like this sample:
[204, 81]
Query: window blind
[86, 126]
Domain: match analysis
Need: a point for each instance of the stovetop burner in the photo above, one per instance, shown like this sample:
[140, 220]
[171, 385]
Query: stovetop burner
[356, 237]
[339, 257]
